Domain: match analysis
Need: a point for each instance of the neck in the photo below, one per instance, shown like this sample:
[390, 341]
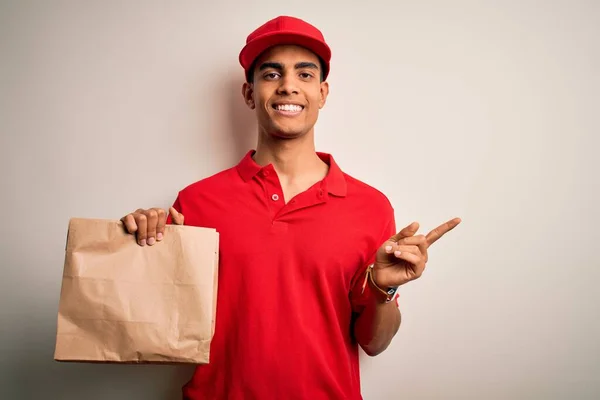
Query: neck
[291, 158]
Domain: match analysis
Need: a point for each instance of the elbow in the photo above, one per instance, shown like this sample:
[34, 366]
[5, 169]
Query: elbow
[373, 350]
[374, 345]
[375, 338]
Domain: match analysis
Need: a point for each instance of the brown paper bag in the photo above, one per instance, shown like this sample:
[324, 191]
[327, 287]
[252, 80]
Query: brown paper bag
[121, 302]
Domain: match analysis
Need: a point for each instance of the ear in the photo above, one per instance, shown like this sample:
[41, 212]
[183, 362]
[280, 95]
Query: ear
[324, 94]
[248, 93]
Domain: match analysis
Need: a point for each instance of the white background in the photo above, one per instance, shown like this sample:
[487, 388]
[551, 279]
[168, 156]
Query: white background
[487, 110]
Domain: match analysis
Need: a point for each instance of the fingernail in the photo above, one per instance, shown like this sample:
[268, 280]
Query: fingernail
[143, 242]
[151, 241]
[159, 236]
[397, 253]
[388, 249]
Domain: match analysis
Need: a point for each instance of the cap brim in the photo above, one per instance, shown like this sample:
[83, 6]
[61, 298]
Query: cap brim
[252, 50]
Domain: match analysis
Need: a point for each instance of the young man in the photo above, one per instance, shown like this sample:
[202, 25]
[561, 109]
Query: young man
[309, 257]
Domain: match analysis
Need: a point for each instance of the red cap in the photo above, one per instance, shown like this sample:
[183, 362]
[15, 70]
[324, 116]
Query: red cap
[285, 30]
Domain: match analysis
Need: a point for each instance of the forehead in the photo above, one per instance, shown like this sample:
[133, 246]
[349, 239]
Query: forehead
[287, 54]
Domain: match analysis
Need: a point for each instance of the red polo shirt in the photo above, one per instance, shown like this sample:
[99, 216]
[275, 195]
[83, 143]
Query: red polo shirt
[290, 281]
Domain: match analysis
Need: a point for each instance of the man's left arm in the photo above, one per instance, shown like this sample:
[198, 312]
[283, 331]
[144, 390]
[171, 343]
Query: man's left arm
[401, 259]
[376, 325]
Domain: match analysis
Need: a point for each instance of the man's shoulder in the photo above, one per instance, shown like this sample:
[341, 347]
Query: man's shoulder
[219, 180]
[366, 192]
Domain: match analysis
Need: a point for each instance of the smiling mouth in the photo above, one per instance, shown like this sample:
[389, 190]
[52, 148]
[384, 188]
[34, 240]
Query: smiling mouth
[288, 108]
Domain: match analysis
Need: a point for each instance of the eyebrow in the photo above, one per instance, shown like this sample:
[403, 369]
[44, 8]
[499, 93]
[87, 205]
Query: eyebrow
[306, 64]
[279, 66]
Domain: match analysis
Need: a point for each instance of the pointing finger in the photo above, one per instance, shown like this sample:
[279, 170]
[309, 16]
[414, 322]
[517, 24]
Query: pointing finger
[441, 230]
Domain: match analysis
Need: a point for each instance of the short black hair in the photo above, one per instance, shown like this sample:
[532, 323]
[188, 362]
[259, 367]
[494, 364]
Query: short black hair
[250, 72]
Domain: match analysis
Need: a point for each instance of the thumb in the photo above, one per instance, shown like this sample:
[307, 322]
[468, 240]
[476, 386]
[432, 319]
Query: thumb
[408, 231]
[176, 216]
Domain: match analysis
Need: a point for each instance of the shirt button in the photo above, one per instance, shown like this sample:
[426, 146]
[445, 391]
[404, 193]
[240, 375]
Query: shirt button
[265, 172]
[275, 197]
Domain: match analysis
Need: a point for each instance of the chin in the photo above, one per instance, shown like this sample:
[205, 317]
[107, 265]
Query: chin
[287, 132]
[287, 135]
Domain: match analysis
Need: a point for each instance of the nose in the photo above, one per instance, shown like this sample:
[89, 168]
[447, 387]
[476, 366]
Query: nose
[288, 85]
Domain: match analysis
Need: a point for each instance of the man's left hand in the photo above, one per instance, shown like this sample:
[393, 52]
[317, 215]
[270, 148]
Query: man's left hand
[402, 258]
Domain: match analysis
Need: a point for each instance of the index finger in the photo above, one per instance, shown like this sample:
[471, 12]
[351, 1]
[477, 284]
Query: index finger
[441, 230]
[129, 223]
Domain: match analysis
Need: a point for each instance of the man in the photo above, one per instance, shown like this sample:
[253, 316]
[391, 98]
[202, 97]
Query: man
[309, 257]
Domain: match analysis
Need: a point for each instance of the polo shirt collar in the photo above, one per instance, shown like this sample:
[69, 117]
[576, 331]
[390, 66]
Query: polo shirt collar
[334, 182]
[247, 167]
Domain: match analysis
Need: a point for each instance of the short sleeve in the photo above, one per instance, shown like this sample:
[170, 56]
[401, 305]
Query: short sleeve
[361, 293]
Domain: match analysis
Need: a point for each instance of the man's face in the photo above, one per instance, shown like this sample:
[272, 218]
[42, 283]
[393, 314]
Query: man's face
[287, 92]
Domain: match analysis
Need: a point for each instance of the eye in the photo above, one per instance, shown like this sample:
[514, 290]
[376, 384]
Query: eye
[305, 75]
[271, 76]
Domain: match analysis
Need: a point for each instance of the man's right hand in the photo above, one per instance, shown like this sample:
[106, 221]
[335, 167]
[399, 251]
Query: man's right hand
[149, 225]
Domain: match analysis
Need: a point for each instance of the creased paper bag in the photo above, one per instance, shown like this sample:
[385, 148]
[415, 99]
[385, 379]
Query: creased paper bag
[121, 302]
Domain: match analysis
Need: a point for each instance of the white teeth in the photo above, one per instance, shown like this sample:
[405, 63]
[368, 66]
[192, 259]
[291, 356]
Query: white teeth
[289, 107]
